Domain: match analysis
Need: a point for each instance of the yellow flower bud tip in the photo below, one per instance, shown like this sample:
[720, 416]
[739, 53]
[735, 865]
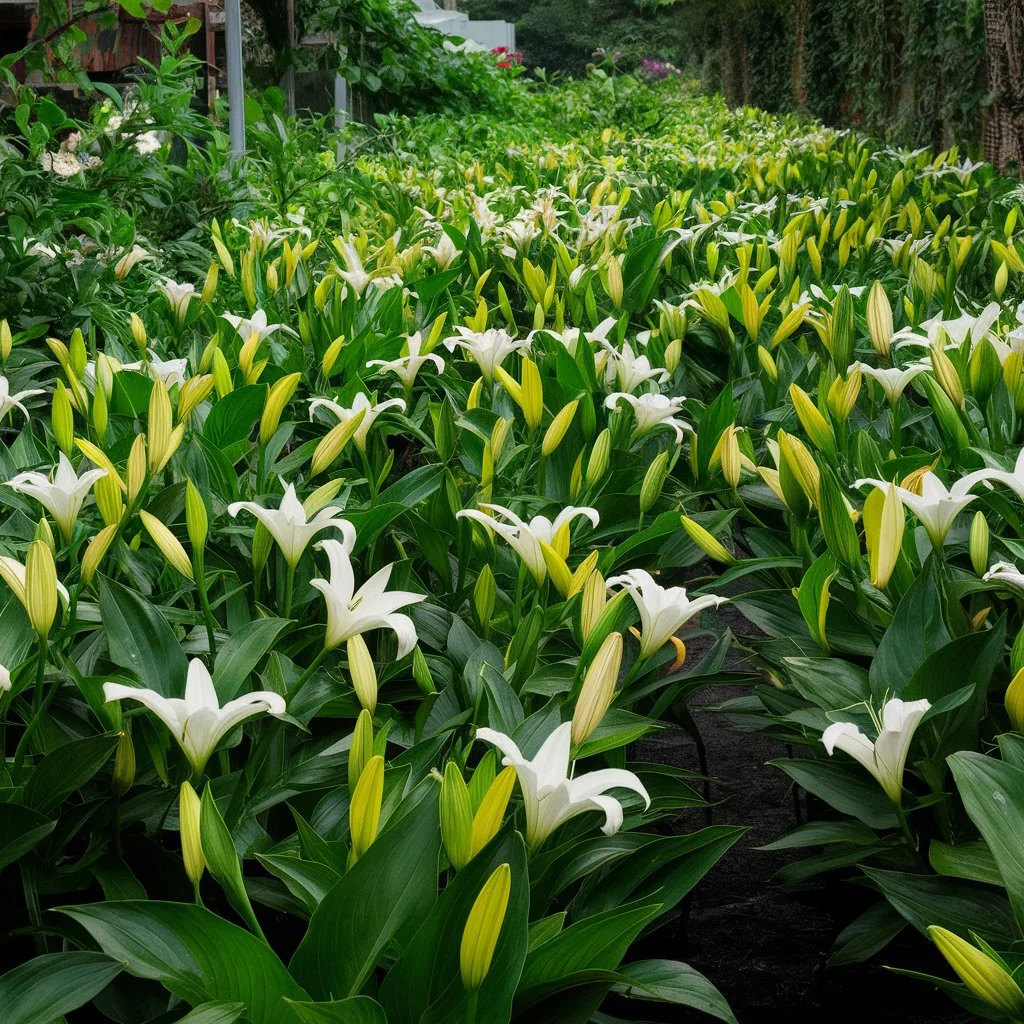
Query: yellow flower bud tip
[364, 810]
[986, 979]
[189, 810]
[483, 928]
[491, 811]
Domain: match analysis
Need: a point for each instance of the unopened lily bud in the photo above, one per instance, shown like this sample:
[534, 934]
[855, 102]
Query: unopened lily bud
[108, 499]
[98, 413]
[158, 427]
[364, 675]
[139, 333]
[654, 481]
[946, 375]
[321, 291]
[984, 369]
[985, 979]
[45, 534]
[361, 750]
[62, 419]
[978, 544]
[196, 519]
[221, 374]
[1013, 375]
[484, 596]
[880, 325]
[1014, 701]
[499, 435]
[706, 541]
[600, 455]
[189, 811]
[136, 470]
[334, 442]
[364, 809]
[673, 354]
[77, 353]
[278, 397]
[491, 810]
[168, 545]
[768, 364]
[613, 281]
[456, 817]
[421, 672]
[40, 588]
[583, 573]
[262, 542]
[6, 341]
[94, 553]
[473, 401]
[797, 467]
[210, 284]
[192, 393]
[884, 522]
[483, 927]
[727, 454]
[558, 428]
[532, 394]
[817, 427]
[124, 766]
[595, 596]
[598, 689]
[273, 280]
[843, 395]
[1002, 278]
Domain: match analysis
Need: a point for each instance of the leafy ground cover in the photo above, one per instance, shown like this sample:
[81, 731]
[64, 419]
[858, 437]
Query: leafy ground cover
[358, 517]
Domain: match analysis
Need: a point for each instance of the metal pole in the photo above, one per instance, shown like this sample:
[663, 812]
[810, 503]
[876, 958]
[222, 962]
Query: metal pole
[340, 110]
[236, 93]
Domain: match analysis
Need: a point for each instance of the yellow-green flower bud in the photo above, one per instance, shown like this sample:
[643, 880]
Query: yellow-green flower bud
[456, 817]
[77, 353]
[99, 412]
[364, 675]
[40, 588]
[595, 597]
[364, 810]
[159, 424]
[946, 375]
[600, 454]
[136, 469]
[361, 751]
[1014, 701]
[421, 672]
[484, 595]
[768, 364]
[558, 428]
[169, 545]
[985, 979]
[96, 550]
[598, 689]
[221, 374]
[62, 419]
[124, 766]
[978, 545]
[654, 481]
[139, 333]
[706, 541]
[189, 810]
[6, 341]
[491, 812]
[278, 397]
[880, 325]
[533, 394]
[210, 284]
[817, 427]
[483, 927]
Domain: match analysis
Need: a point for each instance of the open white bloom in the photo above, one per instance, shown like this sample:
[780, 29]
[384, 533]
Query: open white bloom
[178, 297]
[488, 349]
[568, 336]
[147, 143]
[663, 610]
[288, 524]
[5, 678]
[360, 404]
[1014, 479]
[136, 254]
[886, 757]
[351, 612]
[551, 796]
[9, 401]
[959, 328]
[354, 273]
[256, 324]
[168, 371]
[935, 507]
[652, 411]
[629, 371]
[1005, 572]
[63, 496]
[406, 367]
[198, 722]
[524, 538]
[894, 381]
[445, 253]
[599, 335]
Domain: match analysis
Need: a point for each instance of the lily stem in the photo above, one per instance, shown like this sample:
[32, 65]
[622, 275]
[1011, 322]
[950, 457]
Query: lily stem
[474, 997]
[204, 602]
[909, 836]
[289, 586]
[23, 743]
[305, 677]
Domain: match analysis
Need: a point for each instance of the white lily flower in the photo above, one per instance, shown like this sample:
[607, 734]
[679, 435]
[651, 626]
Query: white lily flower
[360, 404]
[256, 324]
[5, 679]
[354, 273]
[1014, 479]
[63, 496]
[894, 380]
[551, 796]
[288, 524]
[136, 254]
[524, 538]
[488, 349]
[445, 253]
[198, 722]
[1005, 572]
[663, 610]
[351, 612]
[9, 401]
[13, 573]
[178, 297]
[168, 371]
[652, 410]
[568, 336]
[935, 507]
[959, 328]
[886, 757]
[406, 367]
[629, 371]
[599, 335]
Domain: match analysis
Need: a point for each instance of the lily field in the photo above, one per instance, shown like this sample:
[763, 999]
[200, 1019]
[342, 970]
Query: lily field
[359, 505]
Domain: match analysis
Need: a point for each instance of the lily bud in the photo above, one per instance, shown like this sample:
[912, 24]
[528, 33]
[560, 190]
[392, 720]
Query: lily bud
[595, 596]
[473, 401]
[484, 596]
[706, 542]
[985, 979]
[727, 454]
[221, 374]
[797, 465]
[192, 393]
[364, 810]
[262, 542]
[364, 675]
[45, 534]
[108, 499]
[139, 333]
[99, 412]
[880, 325]
[189, 811]
[421, 672]
[456, 817]
[984, 369]
[62, 419]
[600, 454]
[40, 588]
[491, 811]
[331, 355]
[613, 281]
[978, 545]
[1002, 278]
[558, 428]
[817, 427]
[136, 470]
[946, 375]
[654, 481]
[320, 292]
[210, 284]
[124, 766]
[1014, 701]
[673, 354]
[768, 364]
[334, 442]
[598, 690]
[278, 397]
[158, 432]
[483, 927]
[884, 522]
[843, 395]
[77, 353]
[94, 553]
[361, 750]
[532, 395]
[168, 545]
[6, 341]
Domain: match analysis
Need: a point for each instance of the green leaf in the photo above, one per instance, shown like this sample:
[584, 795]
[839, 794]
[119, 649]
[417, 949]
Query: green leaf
[66, 769]
[21, 828]
[847, 788]
[357, 1010]
[193, 953]
[242, 653]
[49, 986]
[669, 981]
[232, 417]
[306, 880]
[140, 640]
[973, 861]
[993, 796]
[392, 886]
[217, 1012]
[870, 933]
